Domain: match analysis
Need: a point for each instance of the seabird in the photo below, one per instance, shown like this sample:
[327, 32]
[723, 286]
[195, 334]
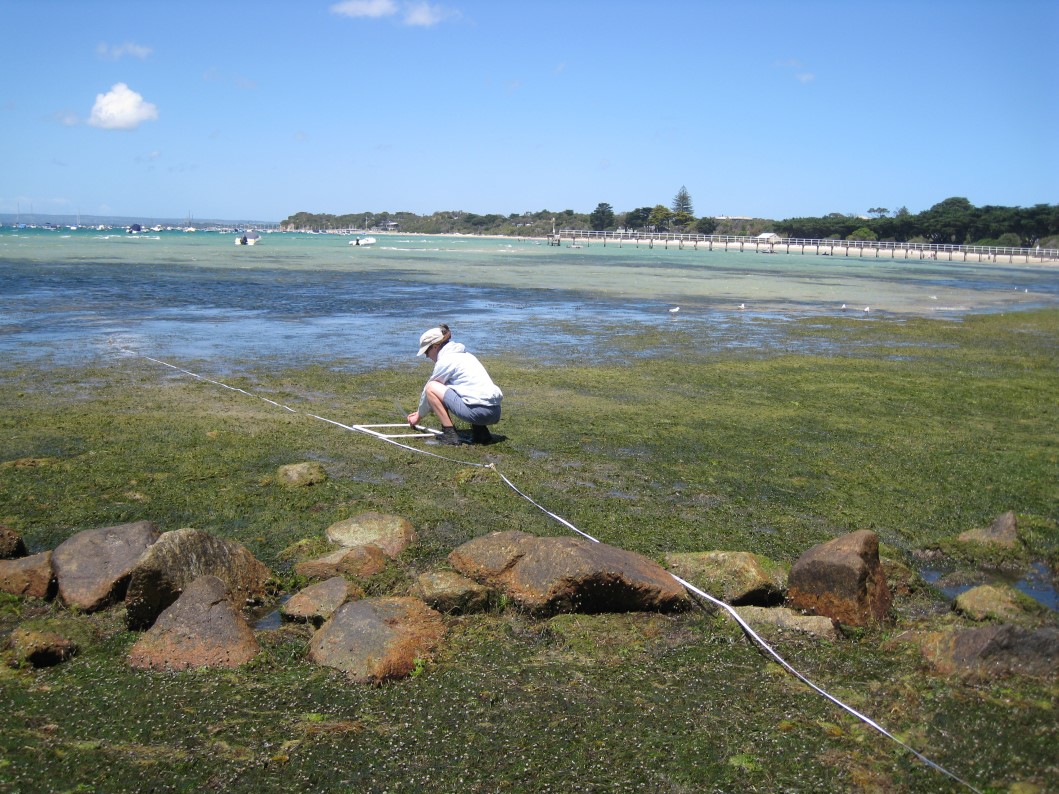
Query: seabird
[674, 310]
[742, 305]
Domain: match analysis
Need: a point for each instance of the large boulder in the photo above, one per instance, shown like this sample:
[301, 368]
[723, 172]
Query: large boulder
[377, 638]
[842, 579]
[736, 577]
[452, 594]
[392, 534]
[993, 651]
[93, 567]
[11, 544]
[318, 602]
[203, 628]
[550, 575]
[361, 561]
[30, 577]
[181, 556]
[1002, 533]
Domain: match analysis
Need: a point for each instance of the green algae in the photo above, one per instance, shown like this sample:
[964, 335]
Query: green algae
[918, 430]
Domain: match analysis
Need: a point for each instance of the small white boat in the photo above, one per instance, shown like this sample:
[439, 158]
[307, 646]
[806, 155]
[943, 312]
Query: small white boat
[248, 238]
[363, 241]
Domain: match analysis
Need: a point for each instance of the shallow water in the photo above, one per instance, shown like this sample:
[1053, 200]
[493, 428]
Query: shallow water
[269, 616]
[72, 296]
[1035, 582]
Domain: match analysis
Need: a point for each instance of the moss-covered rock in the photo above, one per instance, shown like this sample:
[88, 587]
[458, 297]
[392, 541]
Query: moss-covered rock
[737, 577]
[999, 603]
[301, 475]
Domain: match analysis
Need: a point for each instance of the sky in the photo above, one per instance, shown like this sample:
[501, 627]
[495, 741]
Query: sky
[766, 108]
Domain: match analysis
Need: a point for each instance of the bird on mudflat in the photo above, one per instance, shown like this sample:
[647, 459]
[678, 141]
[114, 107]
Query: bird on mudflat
[674, 310]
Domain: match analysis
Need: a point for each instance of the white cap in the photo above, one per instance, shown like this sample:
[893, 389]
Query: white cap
[431, 337]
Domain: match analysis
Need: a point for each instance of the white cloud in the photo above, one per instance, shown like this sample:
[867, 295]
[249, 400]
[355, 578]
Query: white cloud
[114, 52]
[425, 15]
[373, 9]
[121, 108]
[800, 74]
[417, 14]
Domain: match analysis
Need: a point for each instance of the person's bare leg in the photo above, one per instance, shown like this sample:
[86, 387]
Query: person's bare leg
[436, 399]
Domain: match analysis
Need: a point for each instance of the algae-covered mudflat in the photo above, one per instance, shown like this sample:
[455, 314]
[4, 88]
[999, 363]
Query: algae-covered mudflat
[917, 429]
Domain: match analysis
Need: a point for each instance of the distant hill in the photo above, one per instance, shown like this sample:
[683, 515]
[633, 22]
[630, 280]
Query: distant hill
[41, 219]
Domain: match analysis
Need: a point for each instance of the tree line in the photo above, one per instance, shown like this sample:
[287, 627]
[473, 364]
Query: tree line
[952, 221]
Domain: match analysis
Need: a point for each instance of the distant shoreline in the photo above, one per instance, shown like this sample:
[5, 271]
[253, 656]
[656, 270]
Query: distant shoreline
[579, 238]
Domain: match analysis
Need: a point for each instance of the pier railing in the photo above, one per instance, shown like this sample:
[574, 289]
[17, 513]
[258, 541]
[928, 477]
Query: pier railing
[795, 245]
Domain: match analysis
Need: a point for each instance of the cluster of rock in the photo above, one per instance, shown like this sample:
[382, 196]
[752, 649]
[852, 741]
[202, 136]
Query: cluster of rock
[1018, 634]
[187, 591]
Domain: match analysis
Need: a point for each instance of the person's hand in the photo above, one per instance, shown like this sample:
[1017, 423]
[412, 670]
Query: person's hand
[413, 419]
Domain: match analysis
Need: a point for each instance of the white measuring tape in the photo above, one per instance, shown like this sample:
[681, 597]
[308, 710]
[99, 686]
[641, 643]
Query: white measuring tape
[376, 431]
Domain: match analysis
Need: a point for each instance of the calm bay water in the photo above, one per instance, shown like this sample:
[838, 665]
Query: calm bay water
[73, 296]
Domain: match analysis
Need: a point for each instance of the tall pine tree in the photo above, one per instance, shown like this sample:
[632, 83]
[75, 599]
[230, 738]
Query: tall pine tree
[682, 202]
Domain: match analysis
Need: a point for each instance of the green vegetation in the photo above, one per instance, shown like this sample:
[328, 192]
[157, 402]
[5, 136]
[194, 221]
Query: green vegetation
[683, 212]
[918, 430]
[602, 217]
[952, 221]
[681, 203]
[863, 233]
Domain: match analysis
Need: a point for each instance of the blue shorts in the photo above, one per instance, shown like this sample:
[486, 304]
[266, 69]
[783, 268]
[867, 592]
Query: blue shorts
[475, 414]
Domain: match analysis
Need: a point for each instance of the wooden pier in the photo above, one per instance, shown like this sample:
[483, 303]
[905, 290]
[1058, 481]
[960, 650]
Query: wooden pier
[864, 249]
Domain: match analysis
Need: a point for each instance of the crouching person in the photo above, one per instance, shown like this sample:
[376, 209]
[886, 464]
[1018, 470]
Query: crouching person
[458, 387]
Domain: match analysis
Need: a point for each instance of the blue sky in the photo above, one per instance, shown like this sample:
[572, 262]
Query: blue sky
[257, 110]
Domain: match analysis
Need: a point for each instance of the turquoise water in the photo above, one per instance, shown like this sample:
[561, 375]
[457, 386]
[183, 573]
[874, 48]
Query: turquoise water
[294, 298]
